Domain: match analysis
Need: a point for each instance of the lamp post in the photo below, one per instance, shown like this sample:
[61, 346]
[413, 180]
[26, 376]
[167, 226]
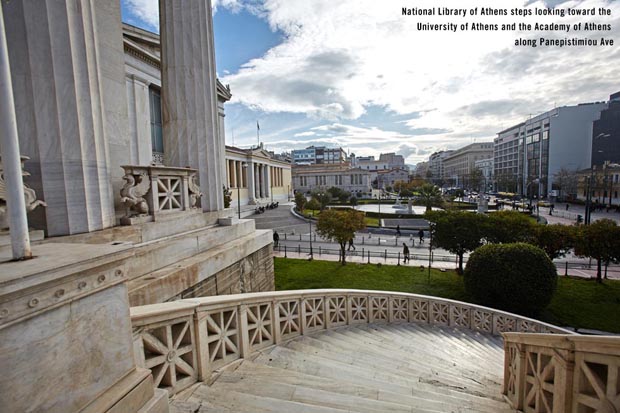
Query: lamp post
[244, 165]
[310, 235]
[431, 227]
[379, 208]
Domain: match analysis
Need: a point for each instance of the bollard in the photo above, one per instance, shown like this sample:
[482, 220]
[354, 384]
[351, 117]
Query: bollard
[385, 256]
[566, 269]
[363, 255]
[363, 240]
[298, 249]
[285, 236]
[412, 243]
[368, 256]
[398, 259]
[285, 252]
[396, 242]
[300, 237]
[379, 241]
[319, 250]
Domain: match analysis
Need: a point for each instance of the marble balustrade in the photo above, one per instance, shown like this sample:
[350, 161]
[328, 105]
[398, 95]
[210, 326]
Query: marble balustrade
[153, 191]
[185, 341]
[562, 373]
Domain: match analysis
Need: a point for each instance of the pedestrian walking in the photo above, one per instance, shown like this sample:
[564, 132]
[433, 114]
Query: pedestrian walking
[398, 230]
[276, 239]
[351, 245]
[421, 235]
[567, 207]
[405, 253]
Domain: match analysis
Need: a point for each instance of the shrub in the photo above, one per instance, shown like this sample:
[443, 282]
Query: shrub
[519, 278]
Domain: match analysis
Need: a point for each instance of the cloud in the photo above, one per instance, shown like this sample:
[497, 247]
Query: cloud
[145, 10]
[338, 59]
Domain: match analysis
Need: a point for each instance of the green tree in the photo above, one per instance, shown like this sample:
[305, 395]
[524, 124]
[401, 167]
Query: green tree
[324, 198]
[556, 240]
[458, 232]
[335, 192]
[340, 226]
[508, 226]
[353, 200]
[313, 204]
[476, 178]
[518, 277]
[344, 197]
[300, 201]
[430, 196]
[601, 241]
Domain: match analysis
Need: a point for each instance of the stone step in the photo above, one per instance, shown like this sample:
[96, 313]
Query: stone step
[258, 372]
[390, 364]
[318, 366]
[369, 368]
[241, 402]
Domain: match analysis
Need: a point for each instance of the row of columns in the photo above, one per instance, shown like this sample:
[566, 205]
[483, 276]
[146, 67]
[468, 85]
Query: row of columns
[260, 181]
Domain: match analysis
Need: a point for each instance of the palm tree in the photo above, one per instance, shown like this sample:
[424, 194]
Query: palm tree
[430, 196]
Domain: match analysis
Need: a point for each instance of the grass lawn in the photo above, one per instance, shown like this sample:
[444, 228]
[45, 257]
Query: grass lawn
[577, 303]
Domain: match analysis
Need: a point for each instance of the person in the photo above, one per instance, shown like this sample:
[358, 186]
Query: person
[276, 239]
[421, 235]
[398, 230]
[567, 207]
[405, 253]
[351, 244]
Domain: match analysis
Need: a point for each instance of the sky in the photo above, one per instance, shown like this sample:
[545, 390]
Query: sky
[358, 74]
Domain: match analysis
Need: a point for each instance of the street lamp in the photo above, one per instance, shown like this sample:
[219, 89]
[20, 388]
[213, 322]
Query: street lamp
[244, 165]
[310, 223]
[431, 228]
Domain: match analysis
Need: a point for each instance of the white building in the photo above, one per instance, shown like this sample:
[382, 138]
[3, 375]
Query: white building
[435, 165]
[535, 150]
[486, 167]
[460, 163]
[256, 177]
[317, 155]
[308, 178]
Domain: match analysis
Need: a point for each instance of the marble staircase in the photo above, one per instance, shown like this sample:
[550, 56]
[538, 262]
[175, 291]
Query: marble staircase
[364, 368]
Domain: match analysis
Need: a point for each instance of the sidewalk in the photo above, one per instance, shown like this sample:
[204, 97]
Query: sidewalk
[355, 257]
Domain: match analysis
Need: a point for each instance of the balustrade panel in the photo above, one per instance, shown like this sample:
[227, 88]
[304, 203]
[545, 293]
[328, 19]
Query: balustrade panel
[187, 340]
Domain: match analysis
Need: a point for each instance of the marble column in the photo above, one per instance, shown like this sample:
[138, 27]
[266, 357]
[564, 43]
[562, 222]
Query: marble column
[262, 180]
[59, 70]
[251, 183]
[189, 101]
[268, 170]
[139, 110]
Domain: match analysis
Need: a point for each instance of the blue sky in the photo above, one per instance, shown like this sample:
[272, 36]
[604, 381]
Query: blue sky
[357, 74]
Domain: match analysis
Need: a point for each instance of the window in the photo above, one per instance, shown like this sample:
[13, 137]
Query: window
[157, 139]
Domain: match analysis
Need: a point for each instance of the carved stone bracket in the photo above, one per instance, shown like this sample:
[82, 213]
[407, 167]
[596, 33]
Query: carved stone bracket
[154, 191]
[29, 195]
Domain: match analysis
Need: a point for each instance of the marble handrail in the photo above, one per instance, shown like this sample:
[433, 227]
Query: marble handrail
[561, 373]
[187, 340]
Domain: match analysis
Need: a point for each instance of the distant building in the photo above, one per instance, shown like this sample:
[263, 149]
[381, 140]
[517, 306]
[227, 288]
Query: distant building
[603, 182]
[486, 167]
[435, 165]
[308, 178]
[318, 155]
[421, 169]
[387, 161]
[606, 134]
[256, 176]
[390, 177]
[529, 154]
[460, 163]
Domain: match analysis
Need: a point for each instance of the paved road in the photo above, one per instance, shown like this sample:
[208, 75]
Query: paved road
[384, 246]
